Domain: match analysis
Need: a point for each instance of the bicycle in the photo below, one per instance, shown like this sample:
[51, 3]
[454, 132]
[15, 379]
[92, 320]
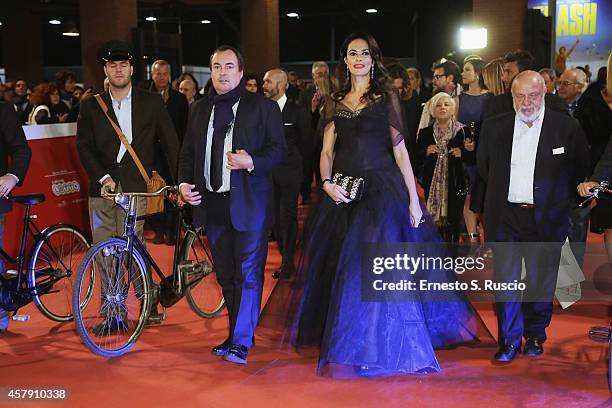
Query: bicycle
[111, 327]
[47, 279]
[599, 333]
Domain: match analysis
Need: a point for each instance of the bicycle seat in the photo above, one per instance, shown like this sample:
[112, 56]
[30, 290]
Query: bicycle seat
[29, 199]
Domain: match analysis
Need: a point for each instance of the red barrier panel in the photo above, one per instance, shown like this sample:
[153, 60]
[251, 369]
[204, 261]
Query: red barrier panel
[55, 171]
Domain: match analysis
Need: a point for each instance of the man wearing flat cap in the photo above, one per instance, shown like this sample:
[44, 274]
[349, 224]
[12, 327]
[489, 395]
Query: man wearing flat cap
[144, 121]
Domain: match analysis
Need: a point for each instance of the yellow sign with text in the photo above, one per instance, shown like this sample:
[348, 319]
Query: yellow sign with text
[575, 19]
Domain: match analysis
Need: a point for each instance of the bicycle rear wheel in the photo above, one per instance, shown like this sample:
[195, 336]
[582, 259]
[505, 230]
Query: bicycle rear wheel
[55, 257]
[113, 319]
[203, 292]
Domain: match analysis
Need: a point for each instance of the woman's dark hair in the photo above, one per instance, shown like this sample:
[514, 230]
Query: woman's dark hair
[478, 66]
[42, 94]
[62, 77]
[381, 83]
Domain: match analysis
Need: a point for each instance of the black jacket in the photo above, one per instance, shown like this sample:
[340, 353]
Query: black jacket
[426, 164]
[258, 129]
[556, 175]
[298, 135]
[98, 144]
[13, 145]
[603, 170]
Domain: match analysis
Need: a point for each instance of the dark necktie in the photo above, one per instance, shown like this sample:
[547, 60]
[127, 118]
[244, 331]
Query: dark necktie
[216, 159]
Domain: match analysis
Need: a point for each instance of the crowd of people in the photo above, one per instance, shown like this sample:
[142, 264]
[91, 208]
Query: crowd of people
[496, 146]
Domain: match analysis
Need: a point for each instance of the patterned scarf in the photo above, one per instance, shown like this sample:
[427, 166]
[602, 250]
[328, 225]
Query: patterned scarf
[437, 202]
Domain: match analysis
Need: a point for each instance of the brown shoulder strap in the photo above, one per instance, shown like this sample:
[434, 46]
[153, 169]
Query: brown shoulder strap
[123, 139]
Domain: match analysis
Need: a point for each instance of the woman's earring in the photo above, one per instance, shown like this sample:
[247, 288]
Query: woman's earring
[372, 73]
[348, 73]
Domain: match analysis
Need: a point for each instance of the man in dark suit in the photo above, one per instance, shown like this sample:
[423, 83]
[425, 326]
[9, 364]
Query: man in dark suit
[13, 145]
[144, 121]
[287, 177]
[164, 224]
[532, 161]
[515, 63]
[234, 140]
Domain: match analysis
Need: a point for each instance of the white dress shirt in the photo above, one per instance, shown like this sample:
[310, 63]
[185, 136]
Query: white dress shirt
[227, 147]
[522, 164]
[282, 101]
[123, 112]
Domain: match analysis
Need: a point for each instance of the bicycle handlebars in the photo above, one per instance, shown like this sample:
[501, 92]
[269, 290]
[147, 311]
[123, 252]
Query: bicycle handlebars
[604, 187]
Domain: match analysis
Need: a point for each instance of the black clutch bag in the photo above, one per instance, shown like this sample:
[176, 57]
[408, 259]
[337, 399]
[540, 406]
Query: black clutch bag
[353, 185]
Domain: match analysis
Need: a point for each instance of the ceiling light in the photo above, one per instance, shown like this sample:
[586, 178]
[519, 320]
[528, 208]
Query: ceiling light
[472, 38]
[55, 22]
[151, 18]
[206, 21]
[70, 30]
[293, 15]
[371, 11]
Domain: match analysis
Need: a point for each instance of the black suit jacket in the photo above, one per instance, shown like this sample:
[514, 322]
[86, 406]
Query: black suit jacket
[298, 135]
[98, 144]
[178, 109]
[13, 145]
[603, 170]
[425, 165]
[258, 129]
[556, 175]
[503, 103]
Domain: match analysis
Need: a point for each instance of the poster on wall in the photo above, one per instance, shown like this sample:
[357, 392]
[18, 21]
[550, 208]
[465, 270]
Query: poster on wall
[584, 32]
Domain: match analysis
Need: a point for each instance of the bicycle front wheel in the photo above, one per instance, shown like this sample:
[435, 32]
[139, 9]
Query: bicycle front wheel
[119, 289]
[203, 292]
[55, 257]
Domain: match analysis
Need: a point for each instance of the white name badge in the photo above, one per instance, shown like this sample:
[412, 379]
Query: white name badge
[559, 150]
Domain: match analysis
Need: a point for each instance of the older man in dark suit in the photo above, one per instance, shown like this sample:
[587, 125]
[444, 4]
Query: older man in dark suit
[144, 121]
[13, 145]
[287, 177]
[164, 224]
[234, 140]
[532, 160]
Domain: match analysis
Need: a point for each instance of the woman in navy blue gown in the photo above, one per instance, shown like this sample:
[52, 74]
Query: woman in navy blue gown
[363, 138]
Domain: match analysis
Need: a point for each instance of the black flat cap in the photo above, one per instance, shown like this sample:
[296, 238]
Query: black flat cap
[115, 50]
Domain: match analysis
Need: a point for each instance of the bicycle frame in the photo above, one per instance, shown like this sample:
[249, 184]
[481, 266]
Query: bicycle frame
[177, 286]
[29, 227]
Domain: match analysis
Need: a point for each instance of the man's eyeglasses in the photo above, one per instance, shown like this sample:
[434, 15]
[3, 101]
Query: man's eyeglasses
[567, 83]
[436, 77]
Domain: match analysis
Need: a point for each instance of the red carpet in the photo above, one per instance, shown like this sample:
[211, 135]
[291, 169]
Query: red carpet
[171, 366]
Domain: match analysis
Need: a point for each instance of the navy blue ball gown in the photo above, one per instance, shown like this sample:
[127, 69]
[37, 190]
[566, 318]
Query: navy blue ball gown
[323, 305]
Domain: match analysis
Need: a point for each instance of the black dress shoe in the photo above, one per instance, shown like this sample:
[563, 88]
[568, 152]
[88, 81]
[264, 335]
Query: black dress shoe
[507, 353]
[533, 347]
[221, 349]
[237, 354]
[110, 325]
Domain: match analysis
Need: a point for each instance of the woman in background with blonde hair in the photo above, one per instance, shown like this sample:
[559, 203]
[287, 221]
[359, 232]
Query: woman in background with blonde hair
[492, 75]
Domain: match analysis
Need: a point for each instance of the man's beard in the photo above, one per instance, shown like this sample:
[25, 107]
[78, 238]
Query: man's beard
[528, 118]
